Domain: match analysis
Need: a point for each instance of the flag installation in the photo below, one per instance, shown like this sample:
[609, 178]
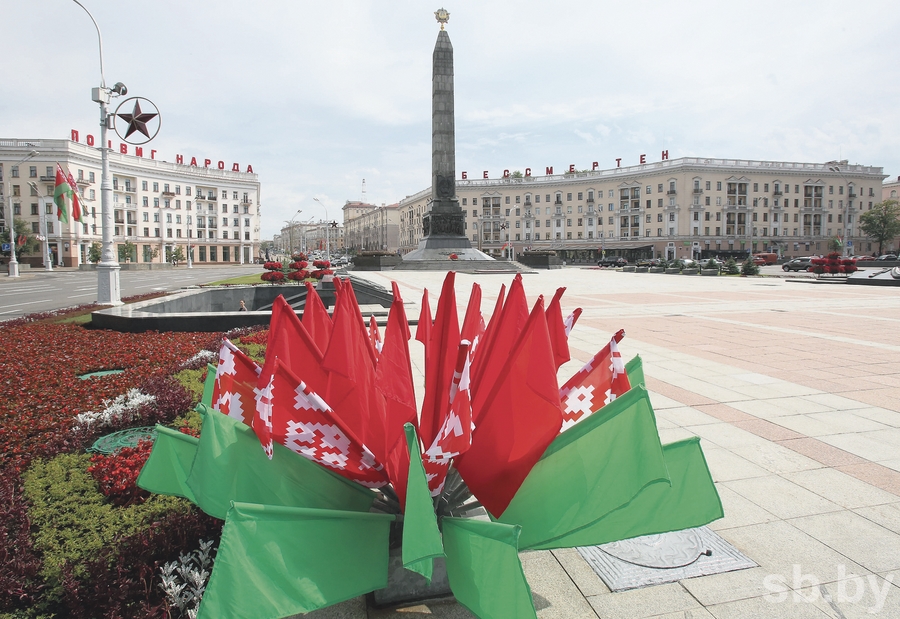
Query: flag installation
[345, 451]
[61, 193]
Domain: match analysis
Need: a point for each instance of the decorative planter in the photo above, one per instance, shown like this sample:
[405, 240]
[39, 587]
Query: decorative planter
[709, 271]
[657, 269]
[690, 271]
[641, 269]
[375, 261]
[540, 259]
[628, 269]
[673, 271]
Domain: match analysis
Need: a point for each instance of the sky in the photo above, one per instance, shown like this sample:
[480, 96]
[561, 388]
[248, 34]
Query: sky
[319, 96]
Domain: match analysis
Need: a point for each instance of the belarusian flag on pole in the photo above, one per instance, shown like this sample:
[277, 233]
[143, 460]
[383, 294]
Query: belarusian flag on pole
[77, 213]
[62, 191]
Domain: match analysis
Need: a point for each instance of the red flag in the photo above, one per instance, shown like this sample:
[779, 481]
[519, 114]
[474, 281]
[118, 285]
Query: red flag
[305, 424]
[473, 324]
[455, 435]
[599, 382]
[76, 205]
[423, 329]
[394, 379]
[440, 360]
[236, 379]
[359, 323]
[21, 240]
[351, 388]
[374, 335]
[497, 349]
[316, 318]
[559, 338]
[489, 331]
[288, 341]
[521, 418]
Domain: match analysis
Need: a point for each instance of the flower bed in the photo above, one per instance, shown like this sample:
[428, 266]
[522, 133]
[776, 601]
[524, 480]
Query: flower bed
[77, 537]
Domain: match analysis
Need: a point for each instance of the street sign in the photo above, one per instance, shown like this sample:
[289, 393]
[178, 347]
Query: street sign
[4, 247]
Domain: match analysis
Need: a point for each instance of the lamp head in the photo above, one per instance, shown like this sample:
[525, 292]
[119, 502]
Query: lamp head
[120, 89]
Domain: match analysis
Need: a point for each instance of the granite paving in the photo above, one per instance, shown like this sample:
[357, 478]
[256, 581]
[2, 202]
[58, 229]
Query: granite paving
[794, 389]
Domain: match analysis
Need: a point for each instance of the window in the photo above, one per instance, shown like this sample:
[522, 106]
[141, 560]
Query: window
[156, 202]
[718, 185]
[507, 199]
[155, 186]
[671, 216]
[34, 209]
[707, 185]
[659, 217]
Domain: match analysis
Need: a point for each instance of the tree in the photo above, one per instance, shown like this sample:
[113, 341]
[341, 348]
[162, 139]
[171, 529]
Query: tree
[23, 229]
[882, 223]
[95, 252]
[178, 254]
[128, 252]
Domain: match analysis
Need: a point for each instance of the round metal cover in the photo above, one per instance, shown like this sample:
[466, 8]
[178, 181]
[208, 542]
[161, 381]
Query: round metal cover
[111, 443]
[670, 550]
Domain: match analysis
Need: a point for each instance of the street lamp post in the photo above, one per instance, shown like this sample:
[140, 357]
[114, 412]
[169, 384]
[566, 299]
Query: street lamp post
[45, 243]
[327, 244]
[13, 263]
[108, 287]
[835, 166]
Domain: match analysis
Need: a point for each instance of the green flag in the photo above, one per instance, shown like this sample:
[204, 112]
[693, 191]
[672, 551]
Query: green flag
[421, 537]
[589, 470]
[167, 468]
[691, 501]
[208, 385]
[484, 569]
[231, 466]
[279, 561]
[634, 369]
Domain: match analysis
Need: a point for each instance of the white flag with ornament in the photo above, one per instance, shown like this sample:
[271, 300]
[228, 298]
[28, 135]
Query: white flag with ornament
[301, 421]
[236, 376]
[455, 434]
[599, 382]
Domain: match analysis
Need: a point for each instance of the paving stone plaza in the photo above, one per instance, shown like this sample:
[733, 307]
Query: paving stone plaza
[793, 387]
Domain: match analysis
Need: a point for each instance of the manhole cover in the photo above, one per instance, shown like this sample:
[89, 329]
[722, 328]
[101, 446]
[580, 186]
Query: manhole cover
[668, 557]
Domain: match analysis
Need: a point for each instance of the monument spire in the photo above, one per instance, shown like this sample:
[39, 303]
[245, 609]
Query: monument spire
[444, 225]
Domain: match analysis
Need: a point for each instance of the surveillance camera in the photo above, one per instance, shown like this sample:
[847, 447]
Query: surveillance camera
[120, 89]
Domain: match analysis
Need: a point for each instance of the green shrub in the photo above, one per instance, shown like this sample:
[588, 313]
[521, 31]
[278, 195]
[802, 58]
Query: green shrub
[73, 522]
[731, 267]
[192, 381]
[749, 267]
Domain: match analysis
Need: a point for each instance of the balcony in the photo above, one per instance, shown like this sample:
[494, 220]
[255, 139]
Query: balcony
[48, 179]
[851, 195]
[777, 192]
[671, 192]
[697, 191]
[169, 194]
[590, 198]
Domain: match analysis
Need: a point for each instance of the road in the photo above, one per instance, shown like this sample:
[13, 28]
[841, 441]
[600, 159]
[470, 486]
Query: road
[40, 291]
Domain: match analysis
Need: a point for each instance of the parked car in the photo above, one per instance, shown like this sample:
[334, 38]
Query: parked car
[797, 264]
[612, 261]
[704, 264]
[759, 261]
[887, 257]
[863, 258]
[649, 262]
[685, 263]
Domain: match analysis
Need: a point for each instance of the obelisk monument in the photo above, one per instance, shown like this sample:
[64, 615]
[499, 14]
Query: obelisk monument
[444, 230]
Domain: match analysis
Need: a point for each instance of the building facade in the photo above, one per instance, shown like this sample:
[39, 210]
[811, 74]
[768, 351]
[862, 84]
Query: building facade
[371, 228]
[157, 206]
[688, 207]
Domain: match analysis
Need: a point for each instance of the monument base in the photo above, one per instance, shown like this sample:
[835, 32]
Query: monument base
[434, 254]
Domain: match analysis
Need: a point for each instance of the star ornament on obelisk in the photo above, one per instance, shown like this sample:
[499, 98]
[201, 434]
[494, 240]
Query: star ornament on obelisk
[443, 16]
[137, 120]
